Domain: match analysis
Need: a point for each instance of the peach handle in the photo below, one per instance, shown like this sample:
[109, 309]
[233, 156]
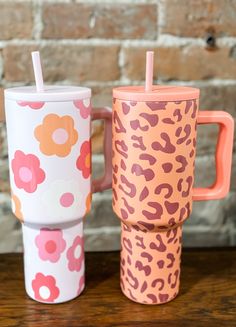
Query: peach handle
[104, 182]
[223, 157]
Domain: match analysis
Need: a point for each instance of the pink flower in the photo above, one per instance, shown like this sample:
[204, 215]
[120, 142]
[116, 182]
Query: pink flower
[45, 288]
[84, 107]
[75, 254]
[27, 171]
[32, 105]
[81, 284]
[50, 244]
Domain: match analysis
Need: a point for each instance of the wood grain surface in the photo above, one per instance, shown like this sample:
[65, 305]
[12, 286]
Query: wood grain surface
[207, 296]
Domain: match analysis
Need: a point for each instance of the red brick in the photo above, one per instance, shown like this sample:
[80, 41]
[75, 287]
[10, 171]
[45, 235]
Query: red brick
[134, 65]
[63, 62]
[190, 62]
[17, 63]
[16, 21]
[194, 18]
[99, 21]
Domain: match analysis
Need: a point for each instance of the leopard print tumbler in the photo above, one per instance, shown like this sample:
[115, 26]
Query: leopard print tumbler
[154, 147]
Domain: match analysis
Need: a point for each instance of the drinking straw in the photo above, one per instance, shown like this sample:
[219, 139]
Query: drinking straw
[149, 71]
[38, 75]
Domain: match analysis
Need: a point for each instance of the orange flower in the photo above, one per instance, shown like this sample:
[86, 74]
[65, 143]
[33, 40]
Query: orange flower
[56, 135]
[83, 163]
[88, 203]
[16, 207]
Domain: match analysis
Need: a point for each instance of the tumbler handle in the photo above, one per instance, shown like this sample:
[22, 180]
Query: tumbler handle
[223, 156]
[104, 182]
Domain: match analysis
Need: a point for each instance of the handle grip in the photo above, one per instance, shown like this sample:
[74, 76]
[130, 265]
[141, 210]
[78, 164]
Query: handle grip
[223, 156]
[104, 182]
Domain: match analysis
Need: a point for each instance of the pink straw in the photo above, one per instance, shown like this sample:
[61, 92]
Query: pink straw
[38, 75]
[149, 71]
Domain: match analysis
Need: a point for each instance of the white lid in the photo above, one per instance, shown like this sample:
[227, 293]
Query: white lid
[51, 93]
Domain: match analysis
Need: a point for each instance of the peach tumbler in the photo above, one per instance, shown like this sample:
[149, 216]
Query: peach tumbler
[154, 147]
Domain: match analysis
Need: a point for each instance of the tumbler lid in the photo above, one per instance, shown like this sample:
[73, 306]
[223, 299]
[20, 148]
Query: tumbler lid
[50, 93]
[157, 93]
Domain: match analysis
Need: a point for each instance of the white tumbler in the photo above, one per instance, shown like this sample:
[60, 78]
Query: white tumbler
[50, 175]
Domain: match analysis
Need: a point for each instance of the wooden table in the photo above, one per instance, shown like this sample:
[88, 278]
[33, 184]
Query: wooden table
[207, 296]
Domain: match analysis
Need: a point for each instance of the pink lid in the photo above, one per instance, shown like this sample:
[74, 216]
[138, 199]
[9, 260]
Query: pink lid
[50, 93]
[157, 93]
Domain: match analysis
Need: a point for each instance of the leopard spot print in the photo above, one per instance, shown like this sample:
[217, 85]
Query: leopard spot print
[154, 147]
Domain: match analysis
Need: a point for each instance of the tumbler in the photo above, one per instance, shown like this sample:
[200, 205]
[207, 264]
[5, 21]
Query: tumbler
[50, 175]
[154, 146]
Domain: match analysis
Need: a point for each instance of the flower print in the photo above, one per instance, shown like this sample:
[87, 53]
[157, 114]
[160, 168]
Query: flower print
[50, 244]
[16, 207]
[84, 107]
[63, 199]
[45, 289]
[83, 162]
[88, 203]
[75, 254]
[32, 105]
[56, 135]
[27, 171]
[81, 284]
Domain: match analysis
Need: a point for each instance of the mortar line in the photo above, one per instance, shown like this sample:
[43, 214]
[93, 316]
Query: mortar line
[164, 40]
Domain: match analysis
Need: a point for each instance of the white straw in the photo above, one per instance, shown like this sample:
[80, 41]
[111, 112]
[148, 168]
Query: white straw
[38, 75]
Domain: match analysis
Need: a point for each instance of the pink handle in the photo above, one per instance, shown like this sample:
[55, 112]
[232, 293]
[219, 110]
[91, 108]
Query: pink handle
[104, 182]
[223, 157]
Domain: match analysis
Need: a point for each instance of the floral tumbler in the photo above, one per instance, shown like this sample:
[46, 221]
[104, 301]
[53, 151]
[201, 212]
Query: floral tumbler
[50, 174]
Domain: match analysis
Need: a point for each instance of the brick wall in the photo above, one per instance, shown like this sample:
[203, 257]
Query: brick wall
[102, 44]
